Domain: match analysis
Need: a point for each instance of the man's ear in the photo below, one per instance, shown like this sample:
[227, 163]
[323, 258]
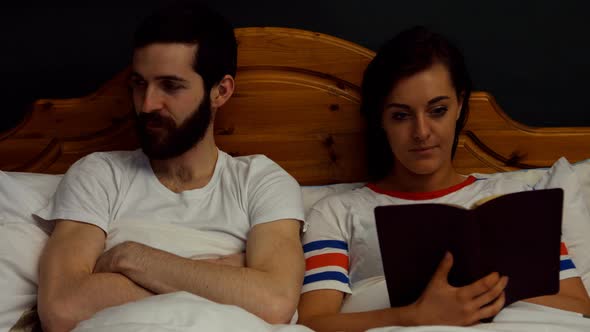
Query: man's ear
[222, 91]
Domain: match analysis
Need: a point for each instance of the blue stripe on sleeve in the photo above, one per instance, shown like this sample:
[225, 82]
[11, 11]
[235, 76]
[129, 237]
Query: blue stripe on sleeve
[325, 244]
[566, 264]
[322, 276]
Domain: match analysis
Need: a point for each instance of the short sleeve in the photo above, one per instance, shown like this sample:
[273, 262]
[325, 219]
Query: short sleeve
[325, 246]
[84, 194]
[273, 194]
[567, 268]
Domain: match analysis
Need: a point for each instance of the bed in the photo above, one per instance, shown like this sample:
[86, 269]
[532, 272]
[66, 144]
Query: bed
[296, 101]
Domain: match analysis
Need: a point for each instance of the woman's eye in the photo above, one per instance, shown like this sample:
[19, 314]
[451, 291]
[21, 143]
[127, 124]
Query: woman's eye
[439, 111]
[399, 116]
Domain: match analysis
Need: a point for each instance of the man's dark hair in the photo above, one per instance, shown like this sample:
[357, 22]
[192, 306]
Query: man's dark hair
[194, 23]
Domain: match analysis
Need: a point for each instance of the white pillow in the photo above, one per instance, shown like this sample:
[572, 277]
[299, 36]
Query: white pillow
[576, 216]
[21, 194]
[582, 169]
[20, 248]
[21, 240]
[528, 176]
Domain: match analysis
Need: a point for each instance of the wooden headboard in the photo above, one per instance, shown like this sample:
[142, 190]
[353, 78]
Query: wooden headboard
[296, 101]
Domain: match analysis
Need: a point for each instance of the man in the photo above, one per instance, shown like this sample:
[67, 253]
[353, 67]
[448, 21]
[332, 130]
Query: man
[184, 61]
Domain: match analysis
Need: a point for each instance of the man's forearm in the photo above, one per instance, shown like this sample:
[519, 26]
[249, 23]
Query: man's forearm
[68, 290]
[62, 307]
[259, 292]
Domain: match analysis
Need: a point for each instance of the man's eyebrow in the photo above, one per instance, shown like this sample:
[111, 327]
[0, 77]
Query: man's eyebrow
[171, 78]
[175, 78]
[136, 75]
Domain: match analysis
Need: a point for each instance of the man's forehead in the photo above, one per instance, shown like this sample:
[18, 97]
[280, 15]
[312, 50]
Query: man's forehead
[164, 59]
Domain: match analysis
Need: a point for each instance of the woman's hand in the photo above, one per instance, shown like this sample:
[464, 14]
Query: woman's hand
[443, 304]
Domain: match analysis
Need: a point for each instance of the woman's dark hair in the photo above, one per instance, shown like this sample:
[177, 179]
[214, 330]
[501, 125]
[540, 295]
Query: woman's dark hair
[194, 23]
[408, 53]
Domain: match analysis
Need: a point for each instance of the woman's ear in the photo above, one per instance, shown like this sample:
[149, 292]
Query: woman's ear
[460, 100]
[222, 91]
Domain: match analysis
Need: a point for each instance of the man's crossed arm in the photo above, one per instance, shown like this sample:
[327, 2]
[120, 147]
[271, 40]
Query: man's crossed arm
[70, 292]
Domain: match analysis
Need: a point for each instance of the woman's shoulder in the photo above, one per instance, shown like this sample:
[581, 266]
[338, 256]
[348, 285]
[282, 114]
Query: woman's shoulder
[498, 183]
[348, 199]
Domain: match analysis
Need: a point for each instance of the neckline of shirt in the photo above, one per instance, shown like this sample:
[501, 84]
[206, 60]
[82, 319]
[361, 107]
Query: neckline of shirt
[420, 196]
[192, 192]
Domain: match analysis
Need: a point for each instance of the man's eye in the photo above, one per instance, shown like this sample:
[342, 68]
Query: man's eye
[136, 83]
[170, 86]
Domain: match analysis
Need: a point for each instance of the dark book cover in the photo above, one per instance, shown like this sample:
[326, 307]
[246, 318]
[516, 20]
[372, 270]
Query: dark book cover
[517, 235]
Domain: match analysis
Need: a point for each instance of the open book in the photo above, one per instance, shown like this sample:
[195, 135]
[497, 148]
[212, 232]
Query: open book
[517, 235]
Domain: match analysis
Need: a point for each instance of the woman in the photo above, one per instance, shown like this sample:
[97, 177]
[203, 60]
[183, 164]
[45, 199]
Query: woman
[415, 102]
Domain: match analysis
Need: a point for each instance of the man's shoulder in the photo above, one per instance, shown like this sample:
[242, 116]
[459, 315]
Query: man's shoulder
[248, 160]
[121, 156]
[255, 165]
[113, 161]
[260, 178]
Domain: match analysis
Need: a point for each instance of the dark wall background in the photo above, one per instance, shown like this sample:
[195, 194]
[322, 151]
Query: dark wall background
[532, 55]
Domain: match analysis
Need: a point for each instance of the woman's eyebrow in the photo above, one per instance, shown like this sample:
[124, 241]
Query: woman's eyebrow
[396, 105]
[437, 99]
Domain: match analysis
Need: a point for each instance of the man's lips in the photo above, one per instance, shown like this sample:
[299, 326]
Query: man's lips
[153, 124]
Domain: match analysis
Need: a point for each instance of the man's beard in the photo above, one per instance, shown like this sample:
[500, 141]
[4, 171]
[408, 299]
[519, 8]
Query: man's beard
[167, 140]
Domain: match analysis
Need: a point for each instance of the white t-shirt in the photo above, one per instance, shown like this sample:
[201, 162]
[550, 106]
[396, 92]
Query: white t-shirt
[341, 244]
[113, 189]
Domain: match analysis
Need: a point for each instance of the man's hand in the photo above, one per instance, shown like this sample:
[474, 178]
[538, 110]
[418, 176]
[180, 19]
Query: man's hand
[119, 257]
[122, 256]
[443, 304]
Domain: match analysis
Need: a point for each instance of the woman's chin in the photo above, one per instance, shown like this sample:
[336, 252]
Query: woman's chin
[424, 167]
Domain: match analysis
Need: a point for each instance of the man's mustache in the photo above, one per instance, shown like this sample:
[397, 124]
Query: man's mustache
[154, 119]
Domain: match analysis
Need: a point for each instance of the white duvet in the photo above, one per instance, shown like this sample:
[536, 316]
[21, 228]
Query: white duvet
[187, 312]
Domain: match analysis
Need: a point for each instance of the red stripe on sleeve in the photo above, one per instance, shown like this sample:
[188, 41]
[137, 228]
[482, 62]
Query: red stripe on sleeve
[563, 250]
[327, 260]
